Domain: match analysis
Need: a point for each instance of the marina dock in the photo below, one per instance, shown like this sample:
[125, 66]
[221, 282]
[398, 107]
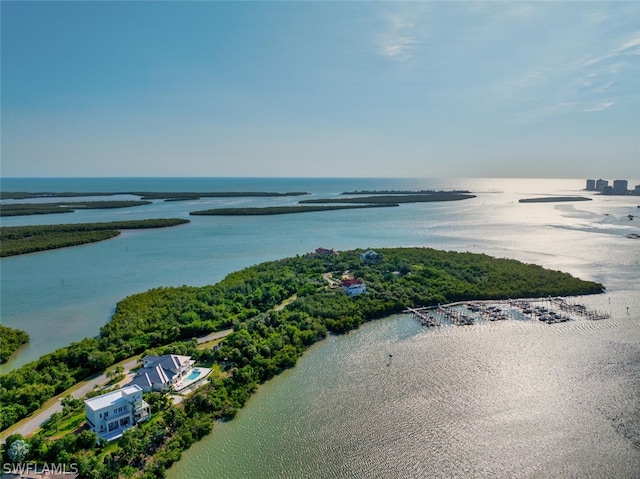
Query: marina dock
[550, 310]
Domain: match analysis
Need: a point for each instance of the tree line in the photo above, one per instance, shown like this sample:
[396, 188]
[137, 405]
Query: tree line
[15, 240]
[10, 340]
[279, 210]
[23, 209]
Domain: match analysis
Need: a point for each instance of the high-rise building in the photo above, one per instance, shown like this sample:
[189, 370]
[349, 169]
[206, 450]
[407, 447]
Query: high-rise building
[591, 185]
[620, 187]
[601, 184]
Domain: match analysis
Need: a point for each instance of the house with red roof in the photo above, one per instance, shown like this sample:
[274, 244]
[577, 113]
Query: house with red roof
[353, 287]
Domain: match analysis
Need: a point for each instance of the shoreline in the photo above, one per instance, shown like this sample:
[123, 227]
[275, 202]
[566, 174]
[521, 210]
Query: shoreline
[146, 195]
[19, 240]
[554, 199]
[410, 198]
[282, 210]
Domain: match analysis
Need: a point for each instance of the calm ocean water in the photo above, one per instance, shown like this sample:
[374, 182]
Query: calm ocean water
[506, 399]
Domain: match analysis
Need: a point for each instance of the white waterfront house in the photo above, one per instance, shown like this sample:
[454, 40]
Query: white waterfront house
[161, 373]
[353, 287]
[110, 414]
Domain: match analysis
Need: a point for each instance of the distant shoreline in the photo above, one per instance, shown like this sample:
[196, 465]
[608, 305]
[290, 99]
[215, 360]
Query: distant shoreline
[554, 199]
[401, 198]
[282, 210]
[25, 209]
[17, 240]
[403, 192]
[145, 195]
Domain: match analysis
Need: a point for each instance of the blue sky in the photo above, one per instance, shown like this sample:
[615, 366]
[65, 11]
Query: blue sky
[423, 89]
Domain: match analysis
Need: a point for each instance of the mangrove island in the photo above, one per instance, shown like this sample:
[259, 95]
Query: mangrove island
[281, 210]
[553, 199]
[277, 310]
[409, 198]
[10, 340]
[15, 240]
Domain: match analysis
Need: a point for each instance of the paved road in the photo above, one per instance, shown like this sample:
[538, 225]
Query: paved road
[32, 423]
[213, 336]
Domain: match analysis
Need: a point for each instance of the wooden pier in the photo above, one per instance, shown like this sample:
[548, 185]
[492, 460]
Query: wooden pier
[424, 318]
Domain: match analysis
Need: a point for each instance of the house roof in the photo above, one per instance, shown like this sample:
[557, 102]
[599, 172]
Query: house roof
[147, 377]
[109, 399]
[171, 363]
[324, 251]
[159, 369]
[351, 282]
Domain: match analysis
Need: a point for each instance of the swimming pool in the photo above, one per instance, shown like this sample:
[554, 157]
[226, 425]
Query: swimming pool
[194, 375]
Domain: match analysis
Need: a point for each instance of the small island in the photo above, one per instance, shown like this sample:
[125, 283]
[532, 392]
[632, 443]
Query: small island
[402, 192]
[281, 210]
[23, 209]
[15, 240]
[10, 341]
[146, 195]
[554, 199]
[277, 310]
[189, 195]
[383, 198]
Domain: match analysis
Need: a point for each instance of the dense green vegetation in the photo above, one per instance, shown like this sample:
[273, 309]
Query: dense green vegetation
[10, 340]
[553, 199]
[146, 195]
[264, 342]
[415, 198]
[190, 195]
[280, 210]
[401, 192]
[23, 209]
[24, 195]
[16, 240]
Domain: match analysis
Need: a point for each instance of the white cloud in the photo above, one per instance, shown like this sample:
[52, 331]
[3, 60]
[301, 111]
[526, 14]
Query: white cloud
[399, 48]
[545, 111]
[600, 107]
[400, 38]
[624, 49]
[583, 86]
[530, 79]
[634, 42]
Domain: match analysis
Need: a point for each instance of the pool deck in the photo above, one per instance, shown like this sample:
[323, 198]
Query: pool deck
[186, 383]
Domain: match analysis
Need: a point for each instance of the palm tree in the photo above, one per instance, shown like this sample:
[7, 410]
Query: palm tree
[18, 450]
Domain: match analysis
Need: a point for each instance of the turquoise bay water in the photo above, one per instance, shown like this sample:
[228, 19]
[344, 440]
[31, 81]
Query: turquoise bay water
[507, 399]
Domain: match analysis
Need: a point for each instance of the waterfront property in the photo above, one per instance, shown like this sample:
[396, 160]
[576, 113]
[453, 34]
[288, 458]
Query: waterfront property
[110, 414]
[161, 373]
[353, 287]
